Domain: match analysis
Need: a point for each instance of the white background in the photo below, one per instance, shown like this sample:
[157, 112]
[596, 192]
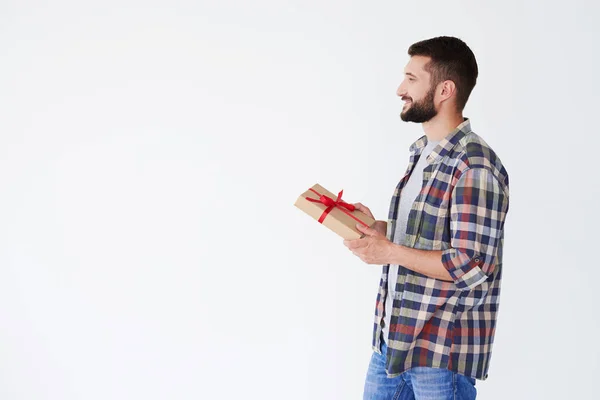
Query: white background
[151, 153]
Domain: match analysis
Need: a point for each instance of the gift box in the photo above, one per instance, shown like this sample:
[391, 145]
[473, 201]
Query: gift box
[333, 212]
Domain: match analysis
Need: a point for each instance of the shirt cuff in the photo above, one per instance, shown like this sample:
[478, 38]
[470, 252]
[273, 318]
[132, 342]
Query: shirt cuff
[465, 269]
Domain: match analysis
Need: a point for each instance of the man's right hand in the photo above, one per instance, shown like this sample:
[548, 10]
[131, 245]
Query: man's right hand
[379, 226]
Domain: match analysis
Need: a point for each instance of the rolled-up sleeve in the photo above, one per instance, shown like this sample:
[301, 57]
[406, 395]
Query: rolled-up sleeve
[479, 205]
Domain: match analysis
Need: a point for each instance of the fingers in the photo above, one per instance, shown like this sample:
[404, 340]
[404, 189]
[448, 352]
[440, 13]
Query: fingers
[363, 208]
[366, 230]
[354, 244]
[381, 227]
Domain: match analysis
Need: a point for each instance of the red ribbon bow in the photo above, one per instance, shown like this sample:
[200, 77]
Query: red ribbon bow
[330, 203]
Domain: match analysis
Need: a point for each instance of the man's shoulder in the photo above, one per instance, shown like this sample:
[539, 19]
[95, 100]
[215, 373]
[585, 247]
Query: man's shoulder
[472, 151]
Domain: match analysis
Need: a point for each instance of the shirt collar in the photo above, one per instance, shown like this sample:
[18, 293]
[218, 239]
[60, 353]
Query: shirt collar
[445, 145]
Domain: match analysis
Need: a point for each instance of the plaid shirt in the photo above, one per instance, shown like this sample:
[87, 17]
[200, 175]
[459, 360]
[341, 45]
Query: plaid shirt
[460, 210]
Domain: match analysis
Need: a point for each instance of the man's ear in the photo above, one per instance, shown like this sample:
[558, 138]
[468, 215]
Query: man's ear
[448, 89]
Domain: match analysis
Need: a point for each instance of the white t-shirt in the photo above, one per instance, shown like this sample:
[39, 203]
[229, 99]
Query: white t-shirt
[407, 197]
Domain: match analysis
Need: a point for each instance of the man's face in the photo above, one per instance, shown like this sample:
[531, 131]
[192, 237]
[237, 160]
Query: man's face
[416, 91]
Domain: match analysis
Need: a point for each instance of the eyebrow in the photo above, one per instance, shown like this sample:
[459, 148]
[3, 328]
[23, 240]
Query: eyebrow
[411, 74]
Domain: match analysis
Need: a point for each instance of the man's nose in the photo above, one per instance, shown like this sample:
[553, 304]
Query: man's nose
[400, 91]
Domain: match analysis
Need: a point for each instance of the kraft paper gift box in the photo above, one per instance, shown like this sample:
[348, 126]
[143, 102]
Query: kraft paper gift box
[333, 212]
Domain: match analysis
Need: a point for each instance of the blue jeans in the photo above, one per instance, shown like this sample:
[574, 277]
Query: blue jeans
[418, 383]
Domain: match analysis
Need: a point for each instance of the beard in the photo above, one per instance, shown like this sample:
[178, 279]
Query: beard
[420, 111]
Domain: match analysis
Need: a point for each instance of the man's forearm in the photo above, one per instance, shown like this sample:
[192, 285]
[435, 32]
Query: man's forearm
[426, 262]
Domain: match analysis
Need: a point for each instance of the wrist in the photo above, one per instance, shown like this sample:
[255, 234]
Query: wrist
[395, 253]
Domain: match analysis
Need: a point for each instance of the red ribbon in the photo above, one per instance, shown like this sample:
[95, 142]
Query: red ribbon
[330, 203]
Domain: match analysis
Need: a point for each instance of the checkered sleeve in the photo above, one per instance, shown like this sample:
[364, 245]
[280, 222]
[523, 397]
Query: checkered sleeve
[477, 212]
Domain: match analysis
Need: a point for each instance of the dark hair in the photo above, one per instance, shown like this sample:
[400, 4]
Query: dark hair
[451, 59]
